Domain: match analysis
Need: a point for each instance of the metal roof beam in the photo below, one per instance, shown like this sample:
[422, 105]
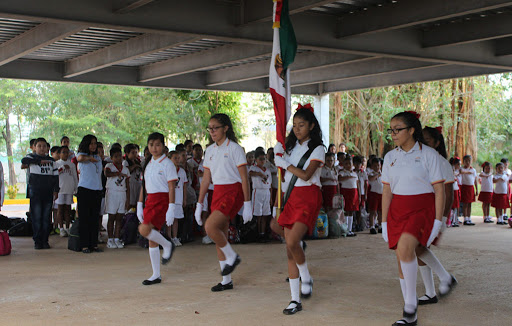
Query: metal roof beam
[303, 62]
[257, 11]
[469, 31]
[128, 6]
[35, 39]
[410, 13]
[130, 49]
[504, 47]
[407, 77]
[203, 60]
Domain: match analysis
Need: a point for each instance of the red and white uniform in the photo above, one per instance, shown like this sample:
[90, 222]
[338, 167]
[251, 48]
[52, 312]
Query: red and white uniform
[305, 199]
[449, 177]
[456, 189]
[375, 193]
[486, 189]
[223, 162]
[115, 197]
[261, 191]
[348, 189]
[500, 195]
[157, 176]
[411, 176]
[329, 187]
[363, 179]
[274, 185]
[467, 187]
[509, 173]
[193, 166]
[181, 188]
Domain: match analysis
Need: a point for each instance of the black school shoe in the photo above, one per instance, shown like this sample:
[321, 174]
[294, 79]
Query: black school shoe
[228, 269]
[222, 287]
[294, 310]
[402, 322]
[155, 281]
[373, 231]
[428, 301]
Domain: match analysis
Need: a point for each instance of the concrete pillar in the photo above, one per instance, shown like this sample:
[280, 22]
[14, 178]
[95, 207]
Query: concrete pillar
[321, 106]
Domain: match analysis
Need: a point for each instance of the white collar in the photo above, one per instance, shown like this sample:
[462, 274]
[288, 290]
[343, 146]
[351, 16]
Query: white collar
[416, 147]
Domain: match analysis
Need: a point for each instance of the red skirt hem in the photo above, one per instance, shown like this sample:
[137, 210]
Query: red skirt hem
[500, 201]
[155, 209]
[351, 198]
[328, 193]
[302, 206]
[374, 201]
[467, 195]
[228, 199]
[485, 197]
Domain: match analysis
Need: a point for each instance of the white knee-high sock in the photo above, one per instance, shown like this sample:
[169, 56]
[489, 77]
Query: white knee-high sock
[295, 289]
[431, 260]
[428, 280]
[225, 279]
[305, 277]
[410, 271]
[154, 256]
[402, 287]
[350, 221]
[155, 236]
[229, 253]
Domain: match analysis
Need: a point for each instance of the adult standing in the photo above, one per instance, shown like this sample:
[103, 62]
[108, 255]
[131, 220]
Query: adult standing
[413, 192]
[89, 193]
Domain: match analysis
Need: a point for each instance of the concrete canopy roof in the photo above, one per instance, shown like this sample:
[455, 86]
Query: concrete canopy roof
[226, 44]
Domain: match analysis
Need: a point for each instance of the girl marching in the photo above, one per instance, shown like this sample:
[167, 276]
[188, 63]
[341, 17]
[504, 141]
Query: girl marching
[225, 165]
[413, 192]
[304, 148]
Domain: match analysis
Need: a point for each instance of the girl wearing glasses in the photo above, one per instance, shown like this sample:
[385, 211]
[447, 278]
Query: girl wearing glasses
[225, 165]
[413, 192]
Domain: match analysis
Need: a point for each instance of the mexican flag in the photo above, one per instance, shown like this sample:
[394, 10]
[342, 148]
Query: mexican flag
[283, 53]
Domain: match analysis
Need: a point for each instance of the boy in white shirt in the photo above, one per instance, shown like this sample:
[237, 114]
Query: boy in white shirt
[261, 184]
[117, 198]
[68, 183]
[180, 199]
[500, 196]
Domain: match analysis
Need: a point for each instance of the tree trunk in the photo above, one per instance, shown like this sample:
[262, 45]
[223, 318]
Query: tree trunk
[7, 137]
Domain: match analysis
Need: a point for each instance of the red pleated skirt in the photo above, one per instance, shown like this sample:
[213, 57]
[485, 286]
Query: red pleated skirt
[467, 194]
[500, 201]
[156, 208]
[374, 201]
[351, 198]
[413, 214]
[456, 199]
[328, 193]
[303, 206]
[485, 197]
[228, 199]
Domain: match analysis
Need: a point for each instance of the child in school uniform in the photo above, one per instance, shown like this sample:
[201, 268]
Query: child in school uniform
[349, 188]
[329, 180]
[225, 166]
[375, 193]
[261, 183]
[64, 141]
[455, 162]
[133, 164]
[68, 184]
[500, 196]
[468, 189]
[509, 173]
[360, 169]
[117, 197]
[160, 179]
[193, 165]
[181, 195]
[486, 190]
[270, 164]
[206, 204]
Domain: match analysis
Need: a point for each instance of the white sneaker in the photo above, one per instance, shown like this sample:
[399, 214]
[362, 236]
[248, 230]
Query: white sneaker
[176, 242]
[119, 243]
[63, 233]
[207, 240]
[111, 244]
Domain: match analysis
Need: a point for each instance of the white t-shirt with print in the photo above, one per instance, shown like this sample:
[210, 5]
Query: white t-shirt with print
[117, 183]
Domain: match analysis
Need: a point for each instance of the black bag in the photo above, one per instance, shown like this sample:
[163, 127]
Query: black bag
[6, 223]
[143, 242]
[74, 237]
[22, 229]
[249, 232]
[129, 229]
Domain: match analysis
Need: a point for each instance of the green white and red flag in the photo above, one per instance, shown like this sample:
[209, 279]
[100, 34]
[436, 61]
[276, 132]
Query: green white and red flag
[283, 54]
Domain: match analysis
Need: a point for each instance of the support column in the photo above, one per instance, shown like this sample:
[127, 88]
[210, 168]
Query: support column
[321, 106]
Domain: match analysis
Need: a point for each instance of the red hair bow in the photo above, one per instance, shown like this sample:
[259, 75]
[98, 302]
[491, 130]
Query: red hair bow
[306, 106]
[457, 158]
[485, 163]
[416, 114]
[440, 129]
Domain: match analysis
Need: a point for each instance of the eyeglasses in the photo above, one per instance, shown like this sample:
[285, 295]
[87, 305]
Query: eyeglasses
[396, 130]
[212, 129]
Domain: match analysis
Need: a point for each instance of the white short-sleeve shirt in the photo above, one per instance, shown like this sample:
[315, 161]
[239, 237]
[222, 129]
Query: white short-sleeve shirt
[468, 179]
[458, 179]
[258, 182]
[117, 183]
[328, 173]
[363, 177]
[486, 182]
[501, 185]
[224, 161]
[413, 172]
[350, 183]
[273, 172]
[449, 177]
[376, 185]
[158, 174]
[294, 157]
[180, 185]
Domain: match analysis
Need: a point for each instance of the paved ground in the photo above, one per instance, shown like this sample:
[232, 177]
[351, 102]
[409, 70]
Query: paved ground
[355, 284]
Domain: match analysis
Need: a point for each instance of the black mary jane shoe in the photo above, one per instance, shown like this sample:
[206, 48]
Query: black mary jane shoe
[453, 283]
[86, 251]
[165, 261]
[307, 295]
[228, 269]
[404, 321]
[294, 310]
[155, 281]
[222, 287]
[430, 300]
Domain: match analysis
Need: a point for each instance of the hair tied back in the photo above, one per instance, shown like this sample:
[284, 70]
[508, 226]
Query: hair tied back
[305, 106]
[440, 129]
[416, 114]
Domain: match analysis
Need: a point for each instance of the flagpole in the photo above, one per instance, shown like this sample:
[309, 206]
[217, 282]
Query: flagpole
[278, 210]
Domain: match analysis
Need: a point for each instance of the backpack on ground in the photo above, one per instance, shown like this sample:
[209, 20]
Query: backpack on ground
[22, 229]
[6, 223]
[321, 230]
[130, 228]
[233, 235]
[334, 228]
[143, 242]
[249, 232]
[5, 244]
[74, 237]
